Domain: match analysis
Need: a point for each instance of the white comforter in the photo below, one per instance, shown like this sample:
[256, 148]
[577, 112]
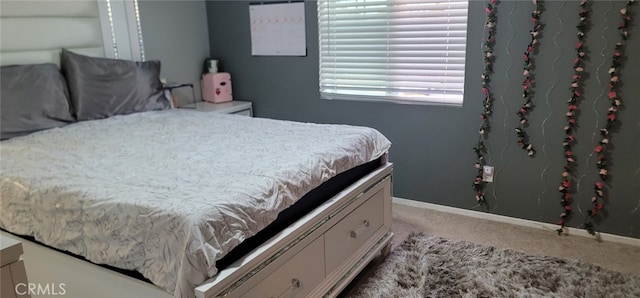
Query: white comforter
[168, 193]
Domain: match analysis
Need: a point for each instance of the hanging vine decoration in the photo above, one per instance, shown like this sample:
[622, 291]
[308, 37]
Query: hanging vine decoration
[569, 129]
[602, 149]
[487, 104]
[527, 92]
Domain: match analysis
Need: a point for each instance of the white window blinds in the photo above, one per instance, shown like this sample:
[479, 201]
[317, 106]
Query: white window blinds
[402, 50]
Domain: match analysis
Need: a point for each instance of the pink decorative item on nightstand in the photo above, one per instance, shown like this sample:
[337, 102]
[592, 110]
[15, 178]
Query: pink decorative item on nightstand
[216, 87]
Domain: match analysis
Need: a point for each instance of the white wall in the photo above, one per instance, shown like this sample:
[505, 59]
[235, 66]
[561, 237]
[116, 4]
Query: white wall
[176, 33]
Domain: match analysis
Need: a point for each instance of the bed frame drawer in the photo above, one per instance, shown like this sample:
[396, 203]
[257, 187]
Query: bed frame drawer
[295, 278]
[320, 254]
[351, 232]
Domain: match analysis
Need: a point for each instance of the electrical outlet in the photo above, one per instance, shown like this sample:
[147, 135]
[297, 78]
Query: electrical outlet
[487, 173]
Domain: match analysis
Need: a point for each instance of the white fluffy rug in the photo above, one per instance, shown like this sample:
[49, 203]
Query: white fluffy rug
[425, 266]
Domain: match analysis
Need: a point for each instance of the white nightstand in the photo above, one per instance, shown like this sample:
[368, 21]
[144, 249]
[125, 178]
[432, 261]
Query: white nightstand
[243, 108]
[13, 273]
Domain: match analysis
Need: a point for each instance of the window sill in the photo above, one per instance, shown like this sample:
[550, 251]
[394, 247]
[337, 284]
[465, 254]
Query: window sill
[430, 102]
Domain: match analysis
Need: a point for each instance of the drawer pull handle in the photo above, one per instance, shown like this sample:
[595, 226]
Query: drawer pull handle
[295, 284]
[364, 226]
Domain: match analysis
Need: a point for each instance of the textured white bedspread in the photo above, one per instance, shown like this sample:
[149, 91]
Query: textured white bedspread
[168, 193]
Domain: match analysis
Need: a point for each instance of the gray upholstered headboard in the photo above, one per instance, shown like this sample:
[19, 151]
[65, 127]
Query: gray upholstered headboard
[36, 31]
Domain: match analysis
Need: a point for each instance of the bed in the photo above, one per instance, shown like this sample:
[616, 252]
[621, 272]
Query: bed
[114, 190]
[153, 202]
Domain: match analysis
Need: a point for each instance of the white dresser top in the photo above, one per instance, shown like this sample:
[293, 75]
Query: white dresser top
[10, 250]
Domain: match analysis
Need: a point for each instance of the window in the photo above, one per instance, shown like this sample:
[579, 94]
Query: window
[393, 50]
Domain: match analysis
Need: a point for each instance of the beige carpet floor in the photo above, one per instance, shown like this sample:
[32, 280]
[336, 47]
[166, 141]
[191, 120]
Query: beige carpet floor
[611, 255]
[607, 254]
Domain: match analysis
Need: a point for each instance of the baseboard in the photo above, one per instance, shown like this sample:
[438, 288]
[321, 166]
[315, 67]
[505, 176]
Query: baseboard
[515, 221]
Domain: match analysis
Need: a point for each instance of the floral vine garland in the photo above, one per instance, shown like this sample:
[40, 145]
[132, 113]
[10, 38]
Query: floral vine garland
[576, 96]
[602, 149]
[527, 93]
[487, 103]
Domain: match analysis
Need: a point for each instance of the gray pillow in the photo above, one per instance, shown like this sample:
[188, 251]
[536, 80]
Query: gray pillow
[102, 87]
[32, 97]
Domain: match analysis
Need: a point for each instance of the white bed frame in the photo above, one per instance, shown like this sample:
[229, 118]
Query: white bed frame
[316, 257]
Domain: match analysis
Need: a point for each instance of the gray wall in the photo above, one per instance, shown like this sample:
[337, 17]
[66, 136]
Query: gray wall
[176, 33]
[432, 145]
